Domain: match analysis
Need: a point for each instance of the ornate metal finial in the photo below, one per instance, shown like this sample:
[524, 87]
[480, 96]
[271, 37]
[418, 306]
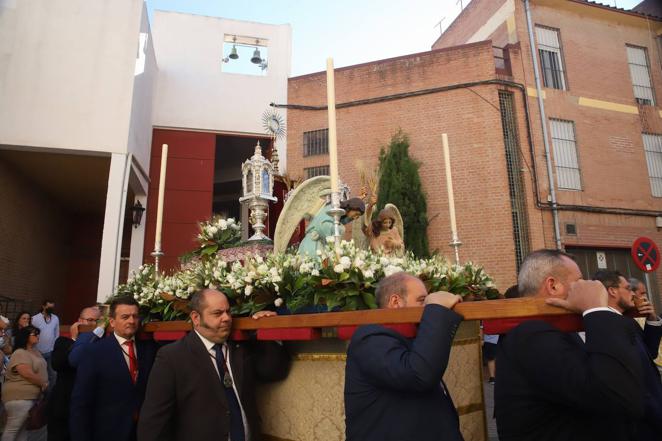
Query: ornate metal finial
[258, 186]
[275, 160]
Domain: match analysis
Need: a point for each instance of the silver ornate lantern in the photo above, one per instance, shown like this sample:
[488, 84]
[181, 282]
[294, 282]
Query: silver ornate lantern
[258, 186]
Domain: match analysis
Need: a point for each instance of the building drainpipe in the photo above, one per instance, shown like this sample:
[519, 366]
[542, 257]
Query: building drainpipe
[543, 124]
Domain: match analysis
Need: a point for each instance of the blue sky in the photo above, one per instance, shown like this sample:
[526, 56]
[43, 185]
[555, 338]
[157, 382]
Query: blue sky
[350, 31]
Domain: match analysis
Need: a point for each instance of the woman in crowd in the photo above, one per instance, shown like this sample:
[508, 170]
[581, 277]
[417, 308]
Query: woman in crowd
[22, 320]
[26, 378]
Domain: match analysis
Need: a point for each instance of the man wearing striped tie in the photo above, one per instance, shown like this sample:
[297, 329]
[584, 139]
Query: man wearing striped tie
[111, 379]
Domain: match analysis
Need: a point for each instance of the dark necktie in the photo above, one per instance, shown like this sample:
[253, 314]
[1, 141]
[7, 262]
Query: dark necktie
[236, 422]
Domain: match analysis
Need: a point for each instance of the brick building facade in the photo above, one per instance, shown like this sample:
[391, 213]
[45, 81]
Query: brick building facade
[484, 96]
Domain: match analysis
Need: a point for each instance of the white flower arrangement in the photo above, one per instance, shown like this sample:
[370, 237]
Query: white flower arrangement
[342, 279]
[216, 234]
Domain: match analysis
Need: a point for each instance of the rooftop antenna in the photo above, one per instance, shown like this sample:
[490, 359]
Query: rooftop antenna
[441, 31]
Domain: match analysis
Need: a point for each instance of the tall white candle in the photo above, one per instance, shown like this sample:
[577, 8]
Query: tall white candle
[333, 144]
[159, 210]
[449, 186]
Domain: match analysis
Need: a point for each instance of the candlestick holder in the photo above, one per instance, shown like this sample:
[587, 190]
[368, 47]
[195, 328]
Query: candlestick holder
[337, 213]
[456, 244]
[157, 254]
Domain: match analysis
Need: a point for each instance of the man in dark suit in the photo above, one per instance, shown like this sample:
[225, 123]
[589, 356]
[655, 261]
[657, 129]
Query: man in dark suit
[621, 299]
[552, 386]
[60, 396]
[393, 385]
[111, 380]
[202, 387]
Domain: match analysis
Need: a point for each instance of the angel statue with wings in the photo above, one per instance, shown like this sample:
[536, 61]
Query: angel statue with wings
[383, 233]
[322, 225]
[309, 200]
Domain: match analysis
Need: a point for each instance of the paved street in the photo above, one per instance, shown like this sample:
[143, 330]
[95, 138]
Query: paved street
[489, 410]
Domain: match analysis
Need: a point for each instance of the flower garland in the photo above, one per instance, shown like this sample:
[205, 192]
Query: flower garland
[333, 280]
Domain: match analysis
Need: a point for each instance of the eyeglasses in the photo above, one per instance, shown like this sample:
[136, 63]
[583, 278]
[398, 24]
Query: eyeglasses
[89, 320]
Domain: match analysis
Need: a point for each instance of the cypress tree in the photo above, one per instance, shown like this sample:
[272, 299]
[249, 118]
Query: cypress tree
[400, 184]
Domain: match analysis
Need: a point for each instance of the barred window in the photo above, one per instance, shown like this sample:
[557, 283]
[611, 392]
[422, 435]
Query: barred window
[311, 172]
[551, 58]
[565, 154]
[641, 80]
[653, 149]
[316, 142]
[515, 182]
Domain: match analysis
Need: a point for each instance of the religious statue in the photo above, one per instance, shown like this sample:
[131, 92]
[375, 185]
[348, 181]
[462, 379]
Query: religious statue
[323, 225]
[386, 233]
[383, 233]
[309, 201]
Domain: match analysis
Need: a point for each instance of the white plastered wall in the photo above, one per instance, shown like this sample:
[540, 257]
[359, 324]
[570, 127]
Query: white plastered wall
[68, 81]
[66, 73]
[194, 93]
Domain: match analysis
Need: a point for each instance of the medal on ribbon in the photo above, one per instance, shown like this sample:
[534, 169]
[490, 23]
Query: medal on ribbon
[227, 380]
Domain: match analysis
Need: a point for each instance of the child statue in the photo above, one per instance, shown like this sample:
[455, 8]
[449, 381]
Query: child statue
[382, 233]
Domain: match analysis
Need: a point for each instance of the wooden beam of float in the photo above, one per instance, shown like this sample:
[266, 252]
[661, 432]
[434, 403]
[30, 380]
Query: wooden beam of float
[479, 310]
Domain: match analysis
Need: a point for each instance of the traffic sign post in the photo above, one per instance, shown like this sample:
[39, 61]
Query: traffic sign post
[646, 256]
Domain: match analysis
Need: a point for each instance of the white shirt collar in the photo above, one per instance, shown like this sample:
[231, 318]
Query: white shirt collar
[208, 343]
[122, 340]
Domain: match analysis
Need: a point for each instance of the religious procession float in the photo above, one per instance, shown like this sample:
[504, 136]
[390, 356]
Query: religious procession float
[323, 288]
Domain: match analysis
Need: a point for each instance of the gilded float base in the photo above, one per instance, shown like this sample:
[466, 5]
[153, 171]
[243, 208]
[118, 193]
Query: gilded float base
[308, 405]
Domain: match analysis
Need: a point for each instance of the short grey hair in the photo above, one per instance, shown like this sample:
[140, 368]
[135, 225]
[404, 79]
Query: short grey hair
[93, 309]
[634, 283]
[393, 284]
[537, 267]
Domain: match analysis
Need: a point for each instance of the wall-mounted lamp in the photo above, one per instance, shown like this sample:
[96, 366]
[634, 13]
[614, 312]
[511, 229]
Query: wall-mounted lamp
[138, 211]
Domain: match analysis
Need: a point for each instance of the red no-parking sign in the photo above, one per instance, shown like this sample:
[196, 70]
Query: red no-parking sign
[646, 254]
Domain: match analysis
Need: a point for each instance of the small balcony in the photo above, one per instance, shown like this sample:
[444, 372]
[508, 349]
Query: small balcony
[502, 61]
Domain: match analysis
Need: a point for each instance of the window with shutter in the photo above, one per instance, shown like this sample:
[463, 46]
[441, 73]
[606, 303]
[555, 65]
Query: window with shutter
[551, 59]
[640, 74]
[565, 154]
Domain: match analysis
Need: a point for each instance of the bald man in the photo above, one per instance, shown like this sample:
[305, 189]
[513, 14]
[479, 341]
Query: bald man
[202, 387]
[58, 403]
[393, 385]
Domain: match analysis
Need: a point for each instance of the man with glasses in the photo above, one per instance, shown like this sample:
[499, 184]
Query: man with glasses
[622, 299]
[550, 385]
[111, 379]
[58, 403]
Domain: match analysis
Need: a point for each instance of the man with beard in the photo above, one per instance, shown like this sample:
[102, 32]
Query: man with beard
[621, 299]
[49, 325]
[550, 385]
[202, 387]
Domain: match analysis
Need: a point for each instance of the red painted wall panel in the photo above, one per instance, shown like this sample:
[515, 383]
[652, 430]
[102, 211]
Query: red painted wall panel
[82, 276]
[188, 191]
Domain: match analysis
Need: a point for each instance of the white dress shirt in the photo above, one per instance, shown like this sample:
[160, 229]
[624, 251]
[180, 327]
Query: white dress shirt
[125, 350]
[226, 353]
